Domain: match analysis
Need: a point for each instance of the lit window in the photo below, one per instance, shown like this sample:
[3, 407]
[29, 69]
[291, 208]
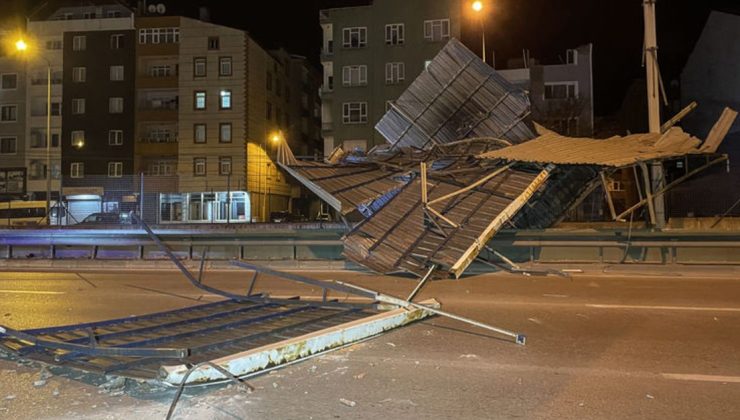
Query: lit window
[200, 99]
[78, 139]
[115, 137]
[225, 102]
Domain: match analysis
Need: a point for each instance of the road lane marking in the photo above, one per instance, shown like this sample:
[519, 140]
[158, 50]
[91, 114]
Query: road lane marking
[663, 308]
[31, 292]
[702, 378]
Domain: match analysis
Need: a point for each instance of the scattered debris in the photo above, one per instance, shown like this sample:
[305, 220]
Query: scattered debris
[469, 356]
[39, 383]
[10, 397]
[650, 397]
[274, 385]
[391, 344]
[55, 392]
[535, 320]
[348, 403]
[360, 375]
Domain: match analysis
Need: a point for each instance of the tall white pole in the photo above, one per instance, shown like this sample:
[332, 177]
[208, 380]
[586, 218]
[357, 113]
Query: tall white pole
[653, 97]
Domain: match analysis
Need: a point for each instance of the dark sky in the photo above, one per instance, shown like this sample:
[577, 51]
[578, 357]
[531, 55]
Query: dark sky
[545, 27]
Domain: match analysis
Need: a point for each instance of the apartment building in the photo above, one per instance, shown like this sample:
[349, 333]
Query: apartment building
[13, 173]
[370, 55]
[561, 92]
[50, 36]
[191, 105]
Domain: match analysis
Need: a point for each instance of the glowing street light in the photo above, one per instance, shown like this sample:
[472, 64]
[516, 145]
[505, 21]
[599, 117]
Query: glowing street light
[478, 9]
[21, 46]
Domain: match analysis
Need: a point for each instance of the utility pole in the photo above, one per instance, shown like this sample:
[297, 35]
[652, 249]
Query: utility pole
[653, 97]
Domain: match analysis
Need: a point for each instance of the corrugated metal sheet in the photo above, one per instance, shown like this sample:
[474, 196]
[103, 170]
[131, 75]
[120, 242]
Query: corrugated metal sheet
[456, 97]
[551, 147]
[345, 187]
[398, 236]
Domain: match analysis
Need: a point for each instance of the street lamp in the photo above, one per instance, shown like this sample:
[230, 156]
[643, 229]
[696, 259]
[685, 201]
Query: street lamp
[275, 138]
[478, 9]
[21, 46]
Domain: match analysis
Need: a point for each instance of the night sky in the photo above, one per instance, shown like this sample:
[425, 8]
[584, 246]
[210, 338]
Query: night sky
[545, 27]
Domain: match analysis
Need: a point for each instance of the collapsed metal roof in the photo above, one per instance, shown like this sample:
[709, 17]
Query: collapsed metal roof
[551, 147]
[457, 97]
[462, 163]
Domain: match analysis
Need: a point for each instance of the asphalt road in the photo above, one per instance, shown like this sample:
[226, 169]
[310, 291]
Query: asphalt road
[601, 345]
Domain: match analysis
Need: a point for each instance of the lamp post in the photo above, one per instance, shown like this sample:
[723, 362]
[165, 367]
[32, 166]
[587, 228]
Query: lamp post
[275, 138]
[22, 47]
[478, 9]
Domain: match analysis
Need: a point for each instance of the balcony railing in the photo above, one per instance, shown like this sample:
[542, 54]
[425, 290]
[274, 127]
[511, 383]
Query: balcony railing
[158, 139]
[159, 105]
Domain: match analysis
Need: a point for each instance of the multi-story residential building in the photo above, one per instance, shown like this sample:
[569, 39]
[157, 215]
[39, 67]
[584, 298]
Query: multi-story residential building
[562, 93]
[48, 30]
[191, 105]
[98, 115]
[370, 55]
[13, 173]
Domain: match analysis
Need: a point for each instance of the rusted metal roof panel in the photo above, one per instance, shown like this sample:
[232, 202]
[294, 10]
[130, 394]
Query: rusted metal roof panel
[617, 151]
[456, 97]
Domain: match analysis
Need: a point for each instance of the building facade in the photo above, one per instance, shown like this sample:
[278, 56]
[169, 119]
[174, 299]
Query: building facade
[370, 55]
[561, 94]
[13, 172]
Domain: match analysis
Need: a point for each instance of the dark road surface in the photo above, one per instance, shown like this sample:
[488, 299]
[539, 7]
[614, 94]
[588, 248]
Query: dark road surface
[601, 345]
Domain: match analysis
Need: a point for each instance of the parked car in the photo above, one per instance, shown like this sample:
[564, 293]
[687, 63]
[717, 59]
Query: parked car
[107, 219]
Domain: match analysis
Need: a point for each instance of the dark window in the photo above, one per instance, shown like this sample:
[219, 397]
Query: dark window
[9, 81]
[199, 66]
[213, 43]
[200, 133]
[224, 66]
[224, 130]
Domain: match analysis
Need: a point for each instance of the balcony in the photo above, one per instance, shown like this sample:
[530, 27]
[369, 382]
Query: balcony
[327, 126]
[158, 77]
